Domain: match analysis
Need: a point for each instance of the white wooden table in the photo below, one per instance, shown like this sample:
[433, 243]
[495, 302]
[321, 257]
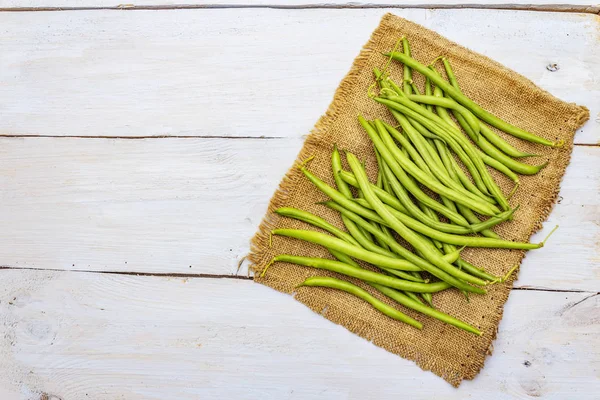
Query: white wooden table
[138, 152]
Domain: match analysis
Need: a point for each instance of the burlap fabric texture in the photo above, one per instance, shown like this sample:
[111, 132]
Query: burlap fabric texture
[445, 350]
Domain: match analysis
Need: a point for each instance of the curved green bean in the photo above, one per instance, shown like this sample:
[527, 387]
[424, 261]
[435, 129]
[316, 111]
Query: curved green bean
[317, 221]
[363, 274]
[333, 283]
[431, 312]
[347, 248]
[471, 120]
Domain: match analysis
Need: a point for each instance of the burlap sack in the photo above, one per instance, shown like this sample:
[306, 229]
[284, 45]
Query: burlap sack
[447, 351]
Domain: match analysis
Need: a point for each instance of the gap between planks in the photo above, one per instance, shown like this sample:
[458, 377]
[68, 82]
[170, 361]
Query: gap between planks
[575, 8]
[241, 277]
[186, 137]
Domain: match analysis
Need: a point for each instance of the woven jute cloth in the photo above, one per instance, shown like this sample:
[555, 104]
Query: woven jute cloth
[445, 350]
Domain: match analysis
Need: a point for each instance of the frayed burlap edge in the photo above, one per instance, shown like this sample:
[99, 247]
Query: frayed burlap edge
[258, 256]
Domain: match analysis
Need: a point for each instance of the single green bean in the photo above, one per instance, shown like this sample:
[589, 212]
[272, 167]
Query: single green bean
[468, 103]
[407, 71]
[321, 281]
[363, 274]
[431, 312]
[317, 221]
[347, 248]
[336, 165]
[451, 274]
[428, 92]
[471, 120]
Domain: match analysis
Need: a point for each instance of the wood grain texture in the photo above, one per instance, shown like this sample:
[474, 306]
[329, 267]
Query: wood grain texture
[243, 72]
[84, 335]
[551, 5]
[191, 205]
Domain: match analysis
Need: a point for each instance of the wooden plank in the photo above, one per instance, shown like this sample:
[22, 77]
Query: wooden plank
[82, 335]
[591, 6]
[191, 206]
[244, 72]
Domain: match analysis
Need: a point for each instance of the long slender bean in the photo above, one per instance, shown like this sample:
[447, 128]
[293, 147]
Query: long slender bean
[317, 221]
[347, 248]
[468, 103]
[431, 312]
[333, 283]
[363, 274]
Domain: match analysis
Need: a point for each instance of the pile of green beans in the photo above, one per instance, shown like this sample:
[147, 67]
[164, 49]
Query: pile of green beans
[434, 192]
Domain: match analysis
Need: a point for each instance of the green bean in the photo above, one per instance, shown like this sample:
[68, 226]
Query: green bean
[384, 186]
[428, 92]
[452, 275]
[317, 221]
[431, 312]
[387, 142]
[336, 165]
[490, 135]
[471, 120]
[394, 245]
[407, 71]
[362, 294]
[416, 260]
[347, 248]
[363, 274]
[468, 103]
